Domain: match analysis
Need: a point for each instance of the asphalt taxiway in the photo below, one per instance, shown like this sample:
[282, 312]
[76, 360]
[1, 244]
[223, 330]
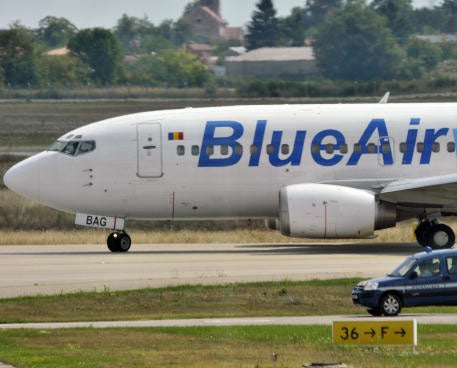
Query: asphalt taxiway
[33, 270]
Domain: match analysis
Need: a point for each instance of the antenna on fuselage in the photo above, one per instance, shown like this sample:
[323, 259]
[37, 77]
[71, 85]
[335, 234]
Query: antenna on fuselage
[385, 98]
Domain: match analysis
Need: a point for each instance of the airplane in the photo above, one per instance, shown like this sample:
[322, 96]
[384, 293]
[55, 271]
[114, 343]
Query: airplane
[315, 171]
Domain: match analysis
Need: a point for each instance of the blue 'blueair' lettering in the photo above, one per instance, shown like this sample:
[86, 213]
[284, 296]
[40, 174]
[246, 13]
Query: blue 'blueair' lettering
[209, 139]
[229, 133]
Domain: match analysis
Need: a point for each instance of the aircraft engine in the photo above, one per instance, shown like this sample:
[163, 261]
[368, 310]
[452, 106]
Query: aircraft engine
[332, 211]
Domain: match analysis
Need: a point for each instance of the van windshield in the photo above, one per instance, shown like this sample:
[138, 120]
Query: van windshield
[403, 268]
[72, 148]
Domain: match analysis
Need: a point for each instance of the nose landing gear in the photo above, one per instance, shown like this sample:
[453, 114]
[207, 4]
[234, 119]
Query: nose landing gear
[119, 241]
[434, 235]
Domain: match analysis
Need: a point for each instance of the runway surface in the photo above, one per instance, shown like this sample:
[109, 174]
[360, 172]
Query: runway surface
[32, 270]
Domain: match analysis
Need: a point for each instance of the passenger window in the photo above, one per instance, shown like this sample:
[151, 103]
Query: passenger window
[315, 148]
[239, 149]
[403, 147]
[420, 147]
[224, 150]
[371, 148]
[451, 147]
[429, 267]
[270, 149]
[385, 148]
[285, 149]
[435, 147]
[254, 149]
[343, 148]
[451, 264]
[209, 150]
[329, 148]
[357, 148]
[180, 150]
[195, 150]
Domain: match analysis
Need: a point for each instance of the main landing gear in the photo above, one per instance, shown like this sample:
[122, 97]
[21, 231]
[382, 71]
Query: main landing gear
[119, 241]
[434, 235]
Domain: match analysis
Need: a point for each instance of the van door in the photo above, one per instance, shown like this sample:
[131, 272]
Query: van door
[149, 150]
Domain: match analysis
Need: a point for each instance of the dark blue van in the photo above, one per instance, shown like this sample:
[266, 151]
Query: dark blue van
[426, 278]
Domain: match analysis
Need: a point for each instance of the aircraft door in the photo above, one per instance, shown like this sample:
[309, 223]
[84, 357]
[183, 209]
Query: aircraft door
[149, 146]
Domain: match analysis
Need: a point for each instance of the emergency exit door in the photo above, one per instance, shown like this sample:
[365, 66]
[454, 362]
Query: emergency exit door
[149, 150]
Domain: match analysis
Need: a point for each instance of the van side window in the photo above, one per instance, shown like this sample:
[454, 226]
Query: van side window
[451, 264]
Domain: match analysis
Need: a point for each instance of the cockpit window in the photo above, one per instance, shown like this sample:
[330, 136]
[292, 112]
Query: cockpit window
[73, 148]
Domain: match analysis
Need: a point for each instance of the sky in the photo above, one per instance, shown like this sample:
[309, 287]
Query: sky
[105, 13]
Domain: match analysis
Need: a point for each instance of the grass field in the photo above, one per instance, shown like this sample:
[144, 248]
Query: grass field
[249, 346]
[205, 347]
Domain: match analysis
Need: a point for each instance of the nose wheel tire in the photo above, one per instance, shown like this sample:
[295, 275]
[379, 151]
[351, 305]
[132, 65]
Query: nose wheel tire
[118, 242]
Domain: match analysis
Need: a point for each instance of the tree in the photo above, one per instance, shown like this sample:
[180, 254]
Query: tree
[56, 31]
[399, 14]
[99, 49]
[356, 44]
[18, 56]
[450, 10]
[263, 28]
[183, 69]
[320, 10]
[427, 53]
[292, 28]
[63, 70]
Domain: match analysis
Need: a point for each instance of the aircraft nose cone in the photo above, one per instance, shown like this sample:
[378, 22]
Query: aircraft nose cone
[24, 179]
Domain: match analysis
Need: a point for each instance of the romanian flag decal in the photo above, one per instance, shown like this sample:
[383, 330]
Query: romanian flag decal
[176, 136]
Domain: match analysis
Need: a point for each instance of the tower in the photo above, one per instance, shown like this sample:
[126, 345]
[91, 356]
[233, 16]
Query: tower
[214, 5]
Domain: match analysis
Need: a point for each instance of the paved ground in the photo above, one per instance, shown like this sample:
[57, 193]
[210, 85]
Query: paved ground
[252, 321]
[31, 270]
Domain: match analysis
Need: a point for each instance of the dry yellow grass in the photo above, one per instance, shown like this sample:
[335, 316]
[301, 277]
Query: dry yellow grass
[403, 233]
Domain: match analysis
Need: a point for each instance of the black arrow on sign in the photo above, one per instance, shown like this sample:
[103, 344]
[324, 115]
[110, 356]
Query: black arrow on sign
[402, 332]
[372, 333]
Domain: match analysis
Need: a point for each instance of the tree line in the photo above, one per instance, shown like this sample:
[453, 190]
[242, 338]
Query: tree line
[352, 40]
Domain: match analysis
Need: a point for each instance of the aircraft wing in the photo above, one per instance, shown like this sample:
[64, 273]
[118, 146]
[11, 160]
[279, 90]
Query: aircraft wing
[435, 191]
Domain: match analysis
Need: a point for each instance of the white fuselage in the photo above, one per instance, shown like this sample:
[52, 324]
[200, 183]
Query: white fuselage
[231, 162]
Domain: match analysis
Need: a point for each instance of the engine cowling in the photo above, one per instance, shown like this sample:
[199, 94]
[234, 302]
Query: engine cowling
[332, 211]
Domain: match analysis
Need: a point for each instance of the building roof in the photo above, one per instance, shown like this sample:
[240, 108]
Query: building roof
[276, 54]
[199, 47]
[438, 38]
[58, 52]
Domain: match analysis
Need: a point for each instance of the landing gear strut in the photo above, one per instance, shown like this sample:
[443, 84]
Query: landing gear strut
[119, 241]
[434, 235]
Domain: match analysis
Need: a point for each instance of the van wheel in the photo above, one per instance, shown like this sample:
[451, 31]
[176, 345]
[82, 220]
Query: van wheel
[390, 305]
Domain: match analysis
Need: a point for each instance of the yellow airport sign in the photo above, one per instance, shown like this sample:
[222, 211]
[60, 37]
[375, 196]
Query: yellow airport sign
[375, 332]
